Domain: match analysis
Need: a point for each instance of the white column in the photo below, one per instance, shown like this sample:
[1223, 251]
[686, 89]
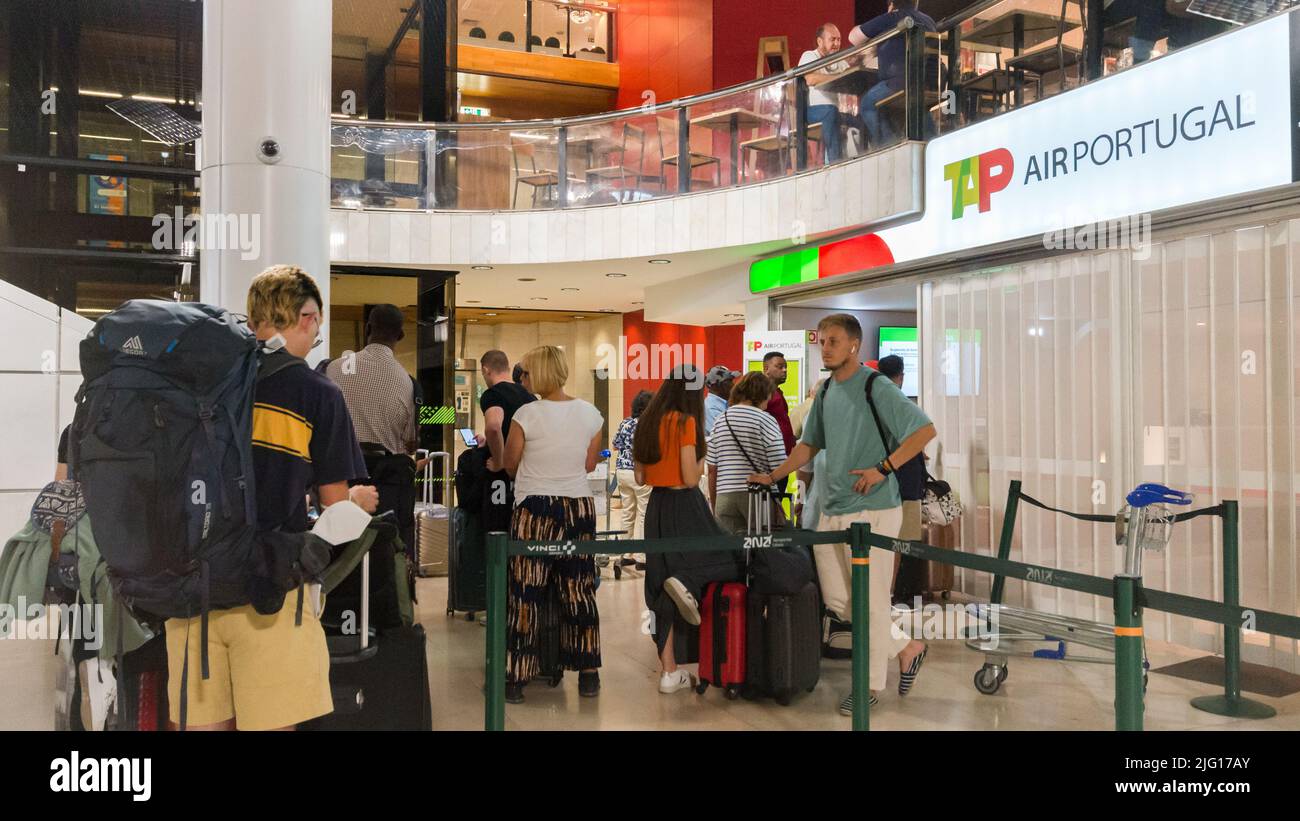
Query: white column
[266, 76]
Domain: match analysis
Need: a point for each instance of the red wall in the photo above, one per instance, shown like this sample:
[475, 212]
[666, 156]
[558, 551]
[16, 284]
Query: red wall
[664, 46]
[738, 24]
[723, 345]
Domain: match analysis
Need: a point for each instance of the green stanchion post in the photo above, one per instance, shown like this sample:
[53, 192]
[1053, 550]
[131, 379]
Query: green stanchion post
[1231, 703]
[495, 718]
[860, 579]
[1004, 541]
[1128, 653]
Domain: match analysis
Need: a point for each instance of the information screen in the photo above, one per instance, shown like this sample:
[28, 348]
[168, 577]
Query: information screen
[904, 342]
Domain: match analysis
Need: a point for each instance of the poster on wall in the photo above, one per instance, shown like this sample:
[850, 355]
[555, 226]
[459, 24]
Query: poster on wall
[793, 345]
[106, 195]
[904, 342]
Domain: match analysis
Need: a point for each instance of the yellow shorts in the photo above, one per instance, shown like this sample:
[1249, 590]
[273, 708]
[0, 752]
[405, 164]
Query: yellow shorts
[264, 671]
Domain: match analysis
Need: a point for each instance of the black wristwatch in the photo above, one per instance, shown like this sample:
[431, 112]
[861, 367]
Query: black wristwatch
[884, 468]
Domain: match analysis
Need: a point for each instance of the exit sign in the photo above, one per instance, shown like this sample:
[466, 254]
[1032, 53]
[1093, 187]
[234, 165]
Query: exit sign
[474, 110]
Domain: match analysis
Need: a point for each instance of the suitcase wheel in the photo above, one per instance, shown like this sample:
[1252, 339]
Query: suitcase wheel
[988, 679]
[732, 693]
[618, 571]
[470, 616]
[783, 699]
[702, 687]
[450, 612]
[554, 681]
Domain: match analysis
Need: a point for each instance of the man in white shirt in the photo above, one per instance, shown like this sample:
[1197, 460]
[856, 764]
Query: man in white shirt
[823, 106]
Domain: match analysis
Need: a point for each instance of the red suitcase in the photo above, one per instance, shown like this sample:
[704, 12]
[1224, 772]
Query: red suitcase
[722, 637]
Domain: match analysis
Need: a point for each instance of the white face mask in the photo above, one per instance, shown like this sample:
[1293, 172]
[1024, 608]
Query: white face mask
[274, 344]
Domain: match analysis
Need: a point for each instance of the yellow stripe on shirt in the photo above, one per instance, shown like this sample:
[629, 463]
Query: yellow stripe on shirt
[278, 429]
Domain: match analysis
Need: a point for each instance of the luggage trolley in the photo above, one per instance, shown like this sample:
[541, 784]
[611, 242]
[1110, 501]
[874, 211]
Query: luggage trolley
[1144, 523]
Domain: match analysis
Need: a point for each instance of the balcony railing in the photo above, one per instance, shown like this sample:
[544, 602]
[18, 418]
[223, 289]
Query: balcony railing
[755, 132]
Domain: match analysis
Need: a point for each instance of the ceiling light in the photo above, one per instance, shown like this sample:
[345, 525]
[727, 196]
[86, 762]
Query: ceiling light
[528, 279]
[576, 316]
[660, 261]
[638, 303]
[733, 314]
[471, 320]
[149, 98]
[539, 299]
[490, 313]
[616, 276]
[570, 289]
[473, 301]
[481, 267]
[512, 306]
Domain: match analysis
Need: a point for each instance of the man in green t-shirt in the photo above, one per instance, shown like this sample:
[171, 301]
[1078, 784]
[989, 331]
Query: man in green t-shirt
[859, 485]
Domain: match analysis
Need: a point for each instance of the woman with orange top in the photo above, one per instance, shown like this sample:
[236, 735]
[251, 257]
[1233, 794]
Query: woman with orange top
[668, 451]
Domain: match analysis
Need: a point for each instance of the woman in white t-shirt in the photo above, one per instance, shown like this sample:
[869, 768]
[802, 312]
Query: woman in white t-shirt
[554, 443]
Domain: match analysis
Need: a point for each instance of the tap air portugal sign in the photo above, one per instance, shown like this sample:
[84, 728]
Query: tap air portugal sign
[1211, 121]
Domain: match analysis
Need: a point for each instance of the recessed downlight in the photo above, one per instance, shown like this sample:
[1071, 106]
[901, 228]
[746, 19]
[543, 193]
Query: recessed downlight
[513, 306]
[661, 262]
[539, 299]
[490, 313]
[480, 267]
[471, 320]
[733, 314]
[473, 301]
[616, 276]
[579, 316]
[528, 279]
[570, 289]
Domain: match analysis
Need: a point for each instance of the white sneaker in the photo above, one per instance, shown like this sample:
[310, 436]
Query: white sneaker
[685, 602]
[678, 680]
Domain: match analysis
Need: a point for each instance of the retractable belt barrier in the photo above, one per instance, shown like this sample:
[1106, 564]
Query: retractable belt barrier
[1127, 592]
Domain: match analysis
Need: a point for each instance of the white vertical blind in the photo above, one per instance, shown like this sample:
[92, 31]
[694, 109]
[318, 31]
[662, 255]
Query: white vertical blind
[1083, 375]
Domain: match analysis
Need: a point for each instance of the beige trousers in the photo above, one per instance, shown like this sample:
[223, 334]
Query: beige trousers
[833, 571]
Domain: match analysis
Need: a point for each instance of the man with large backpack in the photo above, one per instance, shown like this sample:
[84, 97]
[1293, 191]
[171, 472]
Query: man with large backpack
[195, 441]
[868, 429]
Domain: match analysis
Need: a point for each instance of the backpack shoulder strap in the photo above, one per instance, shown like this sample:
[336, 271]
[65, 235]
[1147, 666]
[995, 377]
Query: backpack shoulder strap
[273, 363]
[886, 440]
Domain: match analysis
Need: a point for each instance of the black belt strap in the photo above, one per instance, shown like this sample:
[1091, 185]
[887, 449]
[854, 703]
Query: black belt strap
[1217, 510]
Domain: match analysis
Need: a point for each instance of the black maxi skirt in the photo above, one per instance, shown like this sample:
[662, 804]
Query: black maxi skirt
[683, 512]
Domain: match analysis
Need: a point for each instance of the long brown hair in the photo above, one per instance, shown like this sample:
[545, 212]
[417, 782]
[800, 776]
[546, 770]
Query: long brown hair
[673, 395]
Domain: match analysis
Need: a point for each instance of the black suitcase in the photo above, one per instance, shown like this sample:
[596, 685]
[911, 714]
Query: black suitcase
[385, 690]
[784, 647]
[467, 572]
[379, 679]
[548, 639]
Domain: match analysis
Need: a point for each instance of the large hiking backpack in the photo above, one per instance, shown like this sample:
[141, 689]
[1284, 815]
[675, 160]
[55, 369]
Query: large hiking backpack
[162, 445]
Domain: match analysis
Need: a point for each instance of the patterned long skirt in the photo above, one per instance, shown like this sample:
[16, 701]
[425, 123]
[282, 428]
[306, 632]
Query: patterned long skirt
[552, 600]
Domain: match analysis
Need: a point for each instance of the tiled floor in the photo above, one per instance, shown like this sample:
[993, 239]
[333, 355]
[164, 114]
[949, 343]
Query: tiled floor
[1038, 694]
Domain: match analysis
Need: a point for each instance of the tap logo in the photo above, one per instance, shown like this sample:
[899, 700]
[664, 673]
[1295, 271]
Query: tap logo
[754, 345]
[973, 180]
